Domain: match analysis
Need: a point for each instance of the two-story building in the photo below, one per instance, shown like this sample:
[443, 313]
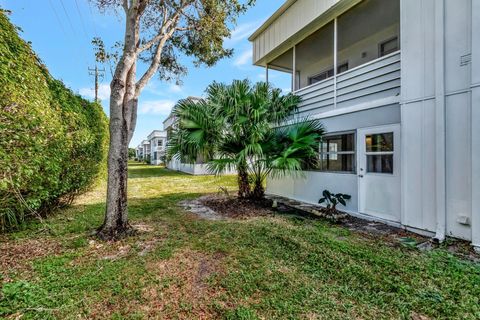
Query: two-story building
[158, 143]
[397, 85]
[139, 152]
[197, 168]
[146, 150]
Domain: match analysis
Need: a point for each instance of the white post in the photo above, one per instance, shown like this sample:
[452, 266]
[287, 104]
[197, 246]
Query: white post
[294, 69]
[266, 73]
[335, 61]
[440, 126]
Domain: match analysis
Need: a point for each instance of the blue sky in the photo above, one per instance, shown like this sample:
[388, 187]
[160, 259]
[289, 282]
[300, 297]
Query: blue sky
[61, 32]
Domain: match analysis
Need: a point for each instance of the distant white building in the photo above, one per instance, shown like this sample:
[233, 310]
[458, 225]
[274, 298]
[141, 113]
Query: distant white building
[397, 85]
[198, 168]
[158, 142]
[140, 151]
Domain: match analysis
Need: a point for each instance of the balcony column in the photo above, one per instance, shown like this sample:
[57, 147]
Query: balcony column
[294, 68]
[266, 73]
[335, 61]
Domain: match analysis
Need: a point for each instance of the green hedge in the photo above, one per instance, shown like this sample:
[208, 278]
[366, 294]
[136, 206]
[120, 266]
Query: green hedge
[52, 142]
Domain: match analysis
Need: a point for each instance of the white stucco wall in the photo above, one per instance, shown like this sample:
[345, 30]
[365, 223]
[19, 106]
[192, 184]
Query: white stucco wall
[436, 114]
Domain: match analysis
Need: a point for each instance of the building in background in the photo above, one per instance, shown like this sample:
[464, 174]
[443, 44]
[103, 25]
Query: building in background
[158, 142]
[197, 168]
[140, 150]
[397, 85]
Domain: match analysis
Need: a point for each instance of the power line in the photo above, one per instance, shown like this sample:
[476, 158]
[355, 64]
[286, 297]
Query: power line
[81, 19]
[68, 18]
[58, 18]
[73, 30]
[93, 18]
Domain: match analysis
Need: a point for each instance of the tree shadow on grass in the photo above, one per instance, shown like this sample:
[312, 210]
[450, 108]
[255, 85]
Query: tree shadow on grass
[146, 171]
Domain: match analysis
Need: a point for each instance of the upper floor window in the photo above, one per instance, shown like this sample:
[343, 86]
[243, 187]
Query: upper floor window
[160, 143]
[388, 46]
[337, 153]
[327, 74]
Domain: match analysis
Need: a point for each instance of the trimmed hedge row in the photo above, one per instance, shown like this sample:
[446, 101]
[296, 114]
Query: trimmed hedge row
[53, 143]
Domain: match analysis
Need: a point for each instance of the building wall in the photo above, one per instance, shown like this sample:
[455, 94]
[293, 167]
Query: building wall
[309, 187]
[436, 40]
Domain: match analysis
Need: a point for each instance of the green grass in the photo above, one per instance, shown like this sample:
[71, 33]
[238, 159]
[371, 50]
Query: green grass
[181, 267]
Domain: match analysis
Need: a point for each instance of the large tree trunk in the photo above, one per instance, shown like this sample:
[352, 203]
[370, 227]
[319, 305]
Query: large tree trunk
[116, 225]
[123, 107]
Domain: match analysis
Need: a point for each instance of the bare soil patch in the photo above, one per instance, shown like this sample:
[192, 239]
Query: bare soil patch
[18, 255]
[180, 288]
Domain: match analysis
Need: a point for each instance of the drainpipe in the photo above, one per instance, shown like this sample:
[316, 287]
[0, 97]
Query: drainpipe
[335, 61]
[440, 127]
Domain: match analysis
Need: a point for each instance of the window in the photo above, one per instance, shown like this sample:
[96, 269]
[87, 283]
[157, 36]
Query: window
[379, 150]
[155, 156]
[327, 74]
[160, 143]
[337, 153]
[388, 46]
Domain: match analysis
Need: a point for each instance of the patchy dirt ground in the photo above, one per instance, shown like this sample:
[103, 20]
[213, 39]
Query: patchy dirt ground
[17, 255]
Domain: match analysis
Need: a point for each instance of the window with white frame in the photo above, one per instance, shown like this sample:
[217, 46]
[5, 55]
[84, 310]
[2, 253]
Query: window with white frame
[337, 153]
[160, 143]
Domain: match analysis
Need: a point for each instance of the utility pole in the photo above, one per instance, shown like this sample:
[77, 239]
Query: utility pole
[97, 73]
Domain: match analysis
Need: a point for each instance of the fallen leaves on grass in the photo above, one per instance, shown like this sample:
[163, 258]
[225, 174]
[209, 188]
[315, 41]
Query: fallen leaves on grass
[18, 255]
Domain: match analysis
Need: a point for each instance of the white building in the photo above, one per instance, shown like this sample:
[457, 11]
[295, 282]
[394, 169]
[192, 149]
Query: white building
[158, 143]
[397, 85]
[198, 168]
[139, 152]
[146, 149]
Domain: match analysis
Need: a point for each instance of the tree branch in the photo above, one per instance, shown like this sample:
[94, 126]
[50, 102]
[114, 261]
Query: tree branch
[166, 35]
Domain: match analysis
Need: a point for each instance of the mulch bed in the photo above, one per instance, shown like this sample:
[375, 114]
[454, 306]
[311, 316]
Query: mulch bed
[233, 207]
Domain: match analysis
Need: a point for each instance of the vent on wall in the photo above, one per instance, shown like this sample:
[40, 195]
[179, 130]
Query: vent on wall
[465, 60]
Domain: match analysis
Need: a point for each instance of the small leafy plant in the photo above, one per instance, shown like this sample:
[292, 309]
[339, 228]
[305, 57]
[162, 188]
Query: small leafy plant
[332, 200]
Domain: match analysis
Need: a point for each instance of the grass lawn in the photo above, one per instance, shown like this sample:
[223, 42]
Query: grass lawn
[182, 267]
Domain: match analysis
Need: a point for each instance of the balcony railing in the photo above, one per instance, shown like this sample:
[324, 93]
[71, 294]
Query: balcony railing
[377, 79]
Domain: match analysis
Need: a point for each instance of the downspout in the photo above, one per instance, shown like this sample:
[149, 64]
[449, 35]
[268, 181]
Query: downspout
[335, 61]
[440, 123]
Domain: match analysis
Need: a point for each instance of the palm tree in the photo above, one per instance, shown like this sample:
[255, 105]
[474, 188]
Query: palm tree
[245, 127]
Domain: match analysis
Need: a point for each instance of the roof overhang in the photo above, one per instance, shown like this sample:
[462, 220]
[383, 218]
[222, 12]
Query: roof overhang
[320, 21]
[271, 19]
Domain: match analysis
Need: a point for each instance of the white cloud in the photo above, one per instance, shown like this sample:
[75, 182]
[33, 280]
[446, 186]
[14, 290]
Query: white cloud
[241, 32]
[175, 88]
[244, 58]
[162, 107]
[103, 92]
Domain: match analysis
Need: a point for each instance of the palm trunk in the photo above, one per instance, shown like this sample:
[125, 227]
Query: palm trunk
[242, 178]
[258, 190]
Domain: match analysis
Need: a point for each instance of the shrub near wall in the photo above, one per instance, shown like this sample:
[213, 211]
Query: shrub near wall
[52, 142]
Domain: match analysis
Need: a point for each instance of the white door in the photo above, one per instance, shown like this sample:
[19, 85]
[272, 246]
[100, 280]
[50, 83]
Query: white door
[379, 172]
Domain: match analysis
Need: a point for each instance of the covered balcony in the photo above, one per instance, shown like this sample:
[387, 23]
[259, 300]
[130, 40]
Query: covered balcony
[353, 59]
